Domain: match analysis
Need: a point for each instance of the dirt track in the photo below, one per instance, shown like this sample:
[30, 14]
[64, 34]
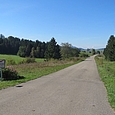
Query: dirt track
[76, 90]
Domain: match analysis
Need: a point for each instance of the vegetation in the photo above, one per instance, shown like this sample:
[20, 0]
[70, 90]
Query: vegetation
[84, 54]
[35, 49]
[93, 52]
[107, 73]
[106, 67]
[35, 70]
[68, 51]
[50, 55]
[109, 51]
[10, 73]
[52, 50]
[15, 60]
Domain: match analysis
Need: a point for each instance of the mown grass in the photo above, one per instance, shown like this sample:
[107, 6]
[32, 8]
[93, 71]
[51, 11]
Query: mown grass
[35, 70]
[107, 73]
[17, 59]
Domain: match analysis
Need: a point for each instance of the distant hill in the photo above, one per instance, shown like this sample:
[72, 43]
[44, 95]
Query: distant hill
[82, 49]
[99, 49]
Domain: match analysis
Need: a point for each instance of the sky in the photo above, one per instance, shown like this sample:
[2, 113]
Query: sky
[82, 23]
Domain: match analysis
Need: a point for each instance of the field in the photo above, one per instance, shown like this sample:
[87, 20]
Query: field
[32, 71]
[107, 73]
[17, 59]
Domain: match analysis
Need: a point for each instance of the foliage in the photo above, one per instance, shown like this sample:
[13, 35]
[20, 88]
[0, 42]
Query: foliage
[36, 49]
[22, 51]
[10, 62]
[15, 60]
[28, 48]
[98, 52]
[83, 54]
[52, 50]
[28, 60]
[93, 52]
[10, 73]
[22, 47]
[9, 45]
[109, 51]
[35, 70]
[107, 73]
[68, 51]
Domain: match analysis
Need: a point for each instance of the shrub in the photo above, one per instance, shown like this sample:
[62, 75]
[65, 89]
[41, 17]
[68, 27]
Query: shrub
[11, 62]
[10, 73]
[83, 54]
[28, 60]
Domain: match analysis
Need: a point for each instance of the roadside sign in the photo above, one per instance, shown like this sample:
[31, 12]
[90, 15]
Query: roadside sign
[2, 63]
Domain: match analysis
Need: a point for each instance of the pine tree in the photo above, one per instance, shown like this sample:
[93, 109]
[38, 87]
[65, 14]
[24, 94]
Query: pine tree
[109, 51]
[52, 50]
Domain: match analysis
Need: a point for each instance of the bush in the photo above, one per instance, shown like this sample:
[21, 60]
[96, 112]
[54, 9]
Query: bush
[28, 60]
[83, 54]
[10, 74]
[11, 62]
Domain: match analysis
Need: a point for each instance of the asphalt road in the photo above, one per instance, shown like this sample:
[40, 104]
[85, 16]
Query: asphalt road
[76, 90]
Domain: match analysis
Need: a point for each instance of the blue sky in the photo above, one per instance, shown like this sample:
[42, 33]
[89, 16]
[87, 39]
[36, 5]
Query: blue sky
[82, 23]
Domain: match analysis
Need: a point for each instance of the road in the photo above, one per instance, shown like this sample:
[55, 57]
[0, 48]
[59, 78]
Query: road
[76, 90]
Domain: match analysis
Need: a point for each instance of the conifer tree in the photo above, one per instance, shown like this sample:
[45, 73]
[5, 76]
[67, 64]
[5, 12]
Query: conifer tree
[52, 50]
[109, 51]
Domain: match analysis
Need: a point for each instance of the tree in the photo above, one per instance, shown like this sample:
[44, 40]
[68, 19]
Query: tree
[13, 44]
[52, 50]
[93, 52]
[37, 52]
[28, 49]
[2, 36]
[109, 51]
[75, 52]
[42, 49]
[32, 54]
[98, 52]
[22, 51]
[68, 51]
[83, 54]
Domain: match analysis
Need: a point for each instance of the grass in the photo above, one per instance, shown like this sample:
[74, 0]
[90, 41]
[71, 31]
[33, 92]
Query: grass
[35, 70]
[17, 59]
[107, 73]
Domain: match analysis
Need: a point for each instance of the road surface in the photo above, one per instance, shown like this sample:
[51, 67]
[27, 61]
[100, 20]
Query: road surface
[76, 90]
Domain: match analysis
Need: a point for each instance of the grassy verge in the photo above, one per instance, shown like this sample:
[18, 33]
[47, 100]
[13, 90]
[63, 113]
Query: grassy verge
[35, 70]
[107, 73]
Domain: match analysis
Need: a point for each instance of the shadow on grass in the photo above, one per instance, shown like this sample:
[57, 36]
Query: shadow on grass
[11, 79]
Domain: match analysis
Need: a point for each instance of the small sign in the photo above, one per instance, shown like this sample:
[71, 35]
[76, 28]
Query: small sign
[2, 63]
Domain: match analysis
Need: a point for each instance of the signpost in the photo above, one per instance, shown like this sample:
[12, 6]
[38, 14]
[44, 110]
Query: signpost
[2, 65]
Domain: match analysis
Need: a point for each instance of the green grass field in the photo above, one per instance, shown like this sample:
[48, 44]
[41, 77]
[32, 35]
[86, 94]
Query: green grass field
[107, 73]
[16, 58]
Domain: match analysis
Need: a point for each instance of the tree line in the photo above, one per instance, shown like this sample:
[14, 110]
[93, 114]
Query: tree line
[36, 49]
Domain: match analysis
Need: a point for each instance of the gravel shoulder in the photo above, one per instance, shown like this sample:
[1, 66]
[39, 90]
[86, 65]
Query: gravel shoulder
[76, 90]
